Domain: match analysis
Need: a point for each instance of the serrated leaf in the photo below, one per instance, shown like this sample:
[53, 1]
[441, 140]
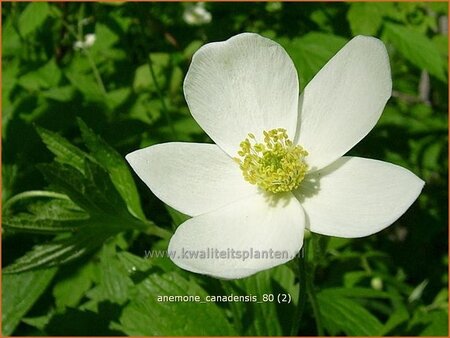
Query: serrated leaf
[116, 166]
[114, 279]
[146, 316]
[92, 191]
[56, 215]
[30, 223]
[33, 17]
[64, 151]
[132, 262]
[341, 314]
[62, 251]
[19, 293]
[417, 48]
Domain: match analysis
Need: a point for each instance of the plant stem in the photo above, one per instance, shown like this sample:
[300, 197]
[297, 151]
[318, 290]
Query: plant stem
[144, 20]
[159, 232]
[234, 307]
[165, 111]
[94, 68]
[298, 314]
[310, 272]
[150, 228]
[315, 306]
[79, 37]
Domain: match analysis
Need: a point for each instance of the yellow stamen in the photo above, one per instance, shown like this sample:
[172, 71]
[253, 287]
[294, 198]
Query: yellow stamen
[277, 165]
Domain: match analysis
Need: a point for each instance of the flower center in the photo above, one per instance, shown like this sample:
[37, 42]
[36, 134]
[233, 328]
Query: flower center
[277, 165]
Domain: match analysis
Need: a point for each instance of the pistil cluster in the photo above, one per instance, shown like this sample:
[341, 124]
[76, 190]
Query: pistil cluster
[276, 165]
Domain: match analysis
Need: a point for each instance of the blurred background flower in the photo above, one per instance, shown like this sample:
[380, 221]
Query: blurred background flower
[196, 14]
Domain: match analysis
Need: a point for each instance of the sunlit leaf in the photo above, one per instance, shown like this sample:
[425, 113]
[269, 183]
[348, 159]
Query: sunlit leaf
[19, 293]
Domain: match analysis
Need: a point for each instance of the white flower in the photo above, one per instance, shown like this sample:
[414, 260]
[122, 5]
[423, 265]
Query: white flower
[248, 84]
[197, 15]
[89, 40]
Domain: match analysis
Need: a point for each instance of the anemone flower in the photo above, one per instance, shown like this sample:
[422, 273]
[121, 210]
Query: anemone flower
[277, 165]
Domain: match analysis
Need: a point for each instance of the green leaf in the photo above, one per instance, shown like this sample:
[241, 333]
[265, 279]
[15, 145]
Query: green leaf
[438, 324]
[117, 97]
[60, 94]
[105, 38]
[65, 152]
[143, 80]
[45, 77]
[33, 17]
[417, 48]
[398, 316]
[341, 314]
[53, 216]
[11, 42]
[20, 292]
[277, 281]
[133, 263]
[62, 251]
[359, 13]
[38, 224]
[92, 191]
[38, 322]
[146, 316]
[311, 51]
[50, 74]
[116, 166]
[177, 217]
[357, 292]
[87, 85]
[114, 279]
[71, 288]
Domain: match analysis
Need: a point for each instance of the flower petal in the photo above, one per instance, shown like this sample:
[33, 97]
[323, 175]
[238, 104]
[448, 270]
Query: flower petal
[343, 102]
[246, 84]
[356, 197]
[190, 177]
[256, 224]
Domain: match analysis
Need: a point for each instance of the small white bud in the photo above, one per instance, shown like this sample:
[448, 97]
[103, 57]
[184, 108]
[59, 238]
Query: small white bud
[197, 15]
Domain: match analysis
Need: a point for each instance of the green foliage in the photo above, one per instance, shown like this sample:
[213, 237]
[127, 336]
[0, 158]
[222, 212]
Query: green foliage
[174, 319]
[342, 314]
[78, 226]
[417, 48]
[279, 281]
[33, 17]
[20, 292]
[311, 51]
[90, 207]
